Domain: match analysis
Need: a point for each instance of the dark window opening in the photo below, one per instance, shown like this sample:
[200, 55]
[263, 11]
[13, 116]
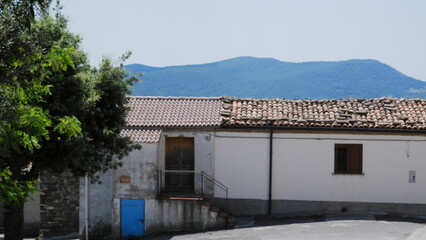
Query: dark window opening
[348, 159]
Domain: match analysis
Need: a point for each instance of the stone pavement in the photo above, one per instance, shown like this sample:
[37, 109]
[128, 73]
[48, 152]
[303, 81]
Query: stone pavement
[334, 227]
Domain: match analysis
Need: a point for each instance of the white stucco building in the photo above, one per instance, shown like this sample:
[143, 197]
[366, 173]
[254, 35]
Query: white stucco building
[268, 156]
[205, 160]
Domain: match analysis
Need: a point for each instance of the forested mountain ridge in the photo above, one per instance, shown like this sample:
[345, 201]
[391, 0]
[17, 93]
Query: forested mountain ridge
[270, 78]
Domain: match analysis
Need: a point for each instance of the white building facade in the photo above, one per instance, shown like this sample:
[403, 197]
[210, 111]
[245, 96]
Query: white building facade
[304, 180]
[205, 161]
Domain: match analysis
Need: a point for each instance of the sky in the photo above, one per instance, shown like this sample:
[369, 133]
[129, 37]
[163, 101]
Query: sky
[180, 32]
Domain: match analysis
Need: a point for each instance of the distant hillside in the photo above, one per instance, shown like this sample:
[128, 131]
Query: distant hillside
[270, 78]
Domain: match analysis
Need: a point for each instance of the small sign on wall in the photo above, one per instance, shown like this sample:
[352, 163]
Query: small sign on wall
[411, 176]
[125, 179]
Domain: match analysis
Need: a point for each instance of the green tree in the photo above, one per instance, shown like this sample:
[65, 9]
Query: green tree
[57, 112]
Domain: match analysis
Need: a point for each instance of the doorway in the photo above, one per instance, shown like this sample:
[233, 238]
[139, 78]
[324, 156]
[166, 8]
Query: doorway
[132, 213]
[179, 164]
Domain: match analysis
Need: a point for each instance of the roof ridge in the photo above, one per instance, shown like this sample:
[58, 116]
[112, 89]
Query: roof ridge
[173, 97]
[315, 100]
[268, 99]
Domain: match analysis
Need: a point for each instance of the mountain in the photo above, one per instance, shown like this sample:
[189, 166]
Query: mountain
[270, 78]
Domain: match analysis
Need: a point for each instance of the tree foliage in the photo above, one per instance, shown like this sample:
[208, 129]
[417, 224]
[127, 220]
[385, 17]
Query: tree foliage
[56, 111]
[23, 11]
[14, 192]
[24, 66]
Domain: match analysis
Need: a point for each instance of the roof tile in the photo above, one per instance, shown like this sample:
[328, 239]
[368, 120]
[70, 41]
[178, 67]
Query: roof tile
[148, 115]
[373, 113]
[142, 135]
[174, 111]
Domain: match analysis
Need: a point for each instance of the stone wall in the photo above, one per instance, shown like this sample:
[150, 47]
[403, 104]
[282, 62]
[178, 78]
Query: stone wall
[59, 205]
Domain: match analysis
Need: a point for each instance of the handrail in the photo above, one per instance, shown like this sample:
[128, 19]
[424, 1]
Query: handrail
[180, 171]
[215, 180]
[220, 185]
[194, 182]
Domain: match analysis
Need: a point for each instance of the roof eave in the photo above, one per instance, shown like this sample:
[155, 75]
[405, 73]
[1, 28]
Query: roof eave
[379, 130]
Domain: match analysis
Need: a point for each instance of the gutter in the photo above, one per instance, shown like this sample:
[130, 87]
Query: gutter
[270, 172]
[137, 127]
[86, 203]
[371, 130]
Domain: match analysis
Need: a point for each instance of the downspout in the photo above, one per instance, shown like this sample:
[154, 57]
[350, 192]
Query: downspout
[270, 172]
[86, 217]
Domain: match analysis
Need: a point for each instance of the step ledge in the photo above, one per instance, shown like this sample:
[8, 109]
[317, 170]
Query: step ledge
[185, 198]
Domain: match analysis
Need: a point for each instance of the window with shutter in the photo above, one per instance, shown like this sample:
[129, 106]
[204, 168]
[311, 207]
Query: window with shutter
[348, 158]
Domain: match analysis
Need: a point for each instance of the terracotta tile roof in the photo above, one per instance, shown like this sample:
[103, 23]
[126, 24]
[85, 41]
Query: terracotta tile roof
[377, 113]
[174, 112]
[142, 135]
[148, 115]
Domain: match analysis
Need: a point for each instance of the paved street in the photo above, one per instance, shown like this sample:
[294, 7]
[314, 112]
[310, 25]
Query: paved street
[330, 228]
[352, 227]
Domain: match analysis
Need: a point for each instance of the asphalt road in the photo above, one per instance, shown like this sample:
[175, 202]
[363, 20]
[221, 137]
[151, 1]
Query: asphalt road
[330, 228]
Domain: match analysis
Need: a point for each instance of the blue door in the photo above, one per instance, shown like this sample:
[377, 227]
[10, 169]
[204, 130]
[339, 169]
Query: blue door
[132, 217]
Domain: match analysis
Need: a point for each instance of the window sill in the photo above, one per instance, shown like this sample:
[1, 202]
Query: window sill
[351, 174]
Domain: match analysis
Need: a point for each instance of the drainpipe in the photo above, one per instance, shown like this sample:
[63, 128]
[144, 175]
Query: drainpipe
[87, 206]
[270, 172]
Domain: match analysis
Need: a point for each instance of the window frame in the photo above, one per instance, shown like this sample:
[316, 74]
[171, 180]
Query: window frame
[354, 159]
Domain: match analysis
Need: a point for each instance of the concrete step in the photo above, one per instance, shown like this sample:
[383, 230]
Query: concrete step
[214, 209]
[223, 214]
[230, 225]
[186, 198]
[206, 203]
[231, 219]
[231, 222]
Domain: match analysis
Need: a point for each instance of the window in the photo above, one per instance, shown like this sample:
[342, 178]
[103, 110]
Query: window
[348, 159]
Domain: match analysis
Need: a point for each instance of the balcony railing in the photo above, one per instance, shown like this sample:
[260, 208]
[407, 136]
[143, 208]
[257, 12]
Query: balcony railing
[187, 183]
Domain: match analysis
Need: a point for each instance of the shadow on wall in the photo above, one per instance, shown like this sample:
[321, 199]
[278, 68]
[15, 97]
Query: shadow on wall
[1, 219]
[31, 217]
[100, 230]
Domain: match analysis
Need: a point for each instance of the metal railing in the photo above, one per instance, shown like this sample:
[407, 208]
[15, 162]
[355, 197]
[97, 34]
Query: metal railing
[192, 184]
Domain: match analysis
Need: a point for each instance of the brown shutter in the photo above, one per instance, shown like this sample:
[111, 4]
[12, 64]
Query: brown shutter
[352, 160]
[179, 153]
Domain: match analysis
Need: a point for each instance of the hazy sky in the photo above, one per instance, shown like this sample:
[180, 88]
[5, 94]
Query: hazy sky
[178, 32]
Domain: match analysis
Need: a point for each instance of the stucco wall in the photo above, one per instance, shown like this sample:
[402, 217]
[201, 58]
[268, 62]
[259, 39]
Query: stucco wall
[1, 216]
[99, 204]
[31, 215]
[141, 166]
[303, 166]
[242, 164]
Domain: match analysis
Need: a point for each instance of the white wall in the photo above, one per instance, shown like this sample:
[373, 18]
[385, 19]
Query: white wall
[99, 204]
[140, 166]
[242, 164]
[303, 165]
[31, 215]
